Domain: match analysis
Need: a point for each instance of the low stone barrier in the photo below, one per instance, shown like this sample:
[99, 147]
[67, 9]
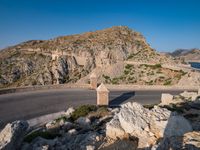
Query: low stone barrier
[39, 121]
[152, 87]
[46, 87]
[87, 86]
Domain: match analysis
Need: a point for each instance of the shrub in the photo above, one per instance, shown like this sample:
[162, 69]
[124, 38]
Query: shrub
[149, 106]
[64, 118]
[106, 77]
[156, 66]
[128, 66]
[115, 81]
[167, 82]
[43, 134]
[101, 112]
[126, 72]
[82, 111]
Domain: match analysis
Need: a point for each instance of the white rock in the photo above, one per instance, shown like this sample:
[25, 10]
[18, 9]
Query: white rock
[50, 124]
[72, 132]
[12, 135]
[146, 125]
[166, 99]
[114, 129]
[69, 111]
[90, 147]
[115, 110]
[83, 121]
[133, 117]
[158, 120]
[189, 95]
[177, 126]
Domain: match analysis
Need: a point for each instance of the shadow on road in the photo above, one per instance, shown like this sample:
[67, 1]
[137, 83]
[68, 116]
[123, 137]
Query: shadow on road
[122, 98]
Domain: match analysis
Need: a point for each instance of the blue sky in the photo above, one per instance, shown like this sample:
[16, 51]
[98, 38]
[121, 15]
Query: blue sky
[166, 24]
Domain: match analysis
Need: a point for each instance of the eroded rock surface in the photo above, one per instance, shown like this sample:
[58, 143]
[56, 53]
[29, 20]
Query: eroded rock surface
[12, 135]
[147, 125]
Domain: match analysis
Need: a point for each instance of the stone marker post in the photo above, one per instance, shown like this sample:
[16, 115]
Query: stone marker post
[93, 81]
[102, 95]
[166, 99]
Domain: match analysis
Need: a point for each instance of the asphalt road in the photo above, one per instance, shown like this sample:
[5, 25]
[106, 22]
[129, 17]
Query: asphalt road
[27, 105]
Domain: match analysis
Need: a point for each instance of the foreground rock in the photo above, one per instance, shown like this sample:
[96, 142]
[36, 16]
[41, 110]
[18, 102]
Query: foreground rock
[185, 97]
[189, 141]
[130, 127]
[147, 125]
[12, 135]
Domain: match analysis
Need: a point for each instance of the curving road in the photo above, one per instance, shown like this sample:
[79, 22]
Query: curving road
[27, 105]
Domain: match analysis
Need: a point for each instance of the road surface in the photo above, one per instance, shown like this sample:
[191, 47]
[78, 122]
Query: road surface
[27, 105]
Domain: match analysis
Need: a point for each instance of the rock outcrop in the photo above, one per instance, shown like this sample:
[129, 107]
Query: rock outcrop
[147, 125]
[130, 127]
[187, 54]
[68, 59]
[12, 135]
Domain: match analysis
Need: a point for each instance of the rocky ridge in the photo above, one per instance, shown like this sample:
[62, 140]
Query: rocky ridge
[71, 58]
[187, 55]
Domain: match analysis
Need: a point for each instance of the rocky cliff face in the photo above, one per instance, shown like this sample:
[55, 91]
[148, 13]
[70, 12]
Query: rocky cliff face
[70, 58]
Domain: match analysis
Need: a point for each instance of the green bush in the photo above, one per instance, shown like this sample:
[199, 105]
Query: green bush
[82, 111]
[149, 106]
[43, 134]
[64, 118]
[128, 66]
[115, 81]
[156, 66]
[167, 82]
[126, 72]
[106, 77]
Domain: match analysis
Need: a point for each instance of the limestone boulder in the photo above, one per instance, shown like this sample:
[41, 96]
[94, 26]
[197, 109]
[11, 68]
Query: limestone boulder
[120, 144]
[188, 141]
[177, 126]
[133, 117]
[189, 95]
[12, 135]
[69, 111]
[164, 123]
[158, 121]
[147, 125]
[114, 129]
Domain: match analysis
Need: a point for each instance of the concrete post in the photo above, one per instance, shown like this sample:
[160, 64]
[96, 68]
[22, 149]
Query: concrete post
[166, 99]
[93, 81]
[102, 95]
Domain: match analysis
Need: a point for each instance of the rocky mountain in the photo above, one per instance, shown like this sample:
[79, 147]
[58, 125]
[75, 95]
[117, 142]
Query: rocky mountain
[71, 58]
[187, 54]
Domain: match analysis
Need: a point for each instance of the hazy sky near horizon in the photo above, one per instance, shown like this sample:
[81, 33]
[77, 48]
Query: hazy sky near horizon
[166, 24]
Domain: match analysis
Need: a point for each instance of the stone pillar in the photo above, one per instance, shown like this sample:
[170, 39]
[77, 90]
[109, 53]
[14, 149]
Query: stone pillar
[93, 81]
[199, 91]
[102, 95]
[166, 99]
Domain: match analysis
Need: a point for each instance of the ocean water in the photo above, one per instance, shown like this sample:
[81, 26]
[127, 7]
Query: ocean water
[195, 65]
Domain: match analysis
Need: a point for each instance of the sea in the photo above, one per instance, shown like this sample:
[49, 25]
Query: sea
[195, 65]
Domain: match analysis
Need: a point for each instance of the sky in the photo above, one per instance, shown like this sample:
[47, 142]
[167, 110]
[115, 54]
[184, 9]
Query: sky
[166, 24]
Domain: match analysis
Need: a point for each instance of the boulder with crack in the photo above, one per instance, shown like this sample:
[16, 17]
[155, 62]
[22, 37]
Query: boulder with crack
[12, 135]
